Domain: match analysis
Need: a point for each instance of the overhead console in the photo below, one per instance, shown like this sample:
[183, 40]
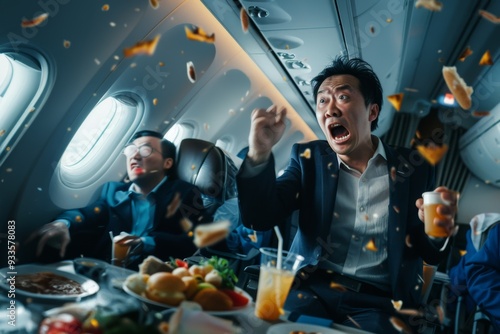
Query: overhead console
[480, 148]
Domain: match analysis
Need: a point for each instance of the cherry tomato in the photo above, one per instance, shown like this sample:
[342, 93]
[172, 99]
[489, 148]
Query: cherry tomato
[237, 298]
[181, 263]
[60, 324]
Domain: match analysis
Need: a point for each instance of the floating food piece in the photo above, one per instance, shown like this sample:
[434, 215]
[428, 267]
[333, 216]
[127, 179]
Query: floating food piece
[432, 5]
[2, 132]
[173, 205]
[397, 304]
[396, 100]
[105, 8]
[25, 23]
[490, 17]
[477, 113]
[353, 321]
[244, 20]
[209, 234]
[154, 3]
[486, 59]
[462, 252]
[337, 286]
[393, 174]
[400, 325]
[198, 34]
[186, 225]
[143, 47]
[410, 312]
[306, 154]
[253, 237]
[408, 241]
[458, 87]
[432, 153]
[371, 246]
[466, 53]
[191, 73]
[155, 101]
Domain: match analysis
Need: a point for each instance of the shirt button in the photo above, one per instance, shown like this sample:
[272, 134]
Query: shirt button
[361, 208]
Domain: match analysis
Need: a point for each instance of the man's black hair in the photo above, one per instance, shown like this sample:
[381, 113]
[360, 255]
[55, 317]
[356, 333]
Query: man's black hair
[168, 149]
[369, 84]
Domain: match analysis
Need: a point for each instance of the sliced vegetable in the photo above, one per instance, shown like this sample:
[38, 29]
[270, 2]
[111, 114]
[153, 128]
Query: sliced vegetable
[63, 323]
[229, 279]
[238, 298]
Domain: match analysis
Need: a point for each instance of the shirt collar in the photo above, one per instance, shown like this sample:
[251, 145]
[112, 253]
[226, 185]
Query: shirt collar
[380, 150]
[132, 190]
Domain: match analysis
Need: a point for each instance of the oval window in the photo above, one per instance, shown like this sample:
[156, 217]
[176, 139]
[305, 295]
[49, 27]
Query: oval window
[99, 140]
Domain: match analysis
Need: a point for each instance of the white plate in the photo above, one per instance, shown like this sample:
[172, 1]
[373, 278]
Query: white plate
[286, 328]
[235, 310]
[90, 286]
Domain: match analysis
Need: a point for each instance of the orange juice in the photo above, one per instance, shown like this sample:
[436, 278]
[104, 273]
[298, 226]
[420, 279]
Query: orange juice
[272, 292]
[432, 229]
[431, 201]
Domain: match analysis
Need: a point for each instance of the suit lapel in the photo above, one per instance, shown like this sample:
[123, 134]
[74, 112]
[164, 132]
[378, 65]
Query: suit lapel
[399, 187]
[327, 189]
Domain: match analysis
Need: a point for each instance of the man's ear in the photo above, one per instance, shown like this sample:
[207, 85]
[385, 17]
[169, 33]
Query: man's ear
[374, 111]
[168, 163]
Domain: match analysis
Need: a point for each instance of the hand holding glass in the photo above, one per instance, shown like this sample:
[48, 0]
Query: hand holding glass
[275, 283]
[120, 250]
[432, 200]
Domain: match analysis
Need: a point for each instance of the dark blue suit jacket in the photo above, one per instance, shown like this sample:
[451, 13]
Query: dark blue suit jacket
[90, 226]
[310, 185]
[483, 276]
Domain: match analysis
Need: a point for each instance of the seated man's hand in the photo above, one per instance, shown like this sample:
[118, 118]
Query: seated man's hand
[447, 212]
[55, 234]
[135, 244]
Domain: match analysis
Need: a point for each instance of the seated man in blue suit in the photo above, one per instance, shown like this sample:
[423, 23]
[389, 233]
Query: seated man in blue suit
[359, 200]
[479, 224]
[483, 277]
[152, 208]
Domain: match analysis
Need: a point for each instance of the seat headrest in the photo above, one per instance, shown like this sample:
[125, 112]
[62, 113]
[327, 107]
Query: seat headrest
[205, 165]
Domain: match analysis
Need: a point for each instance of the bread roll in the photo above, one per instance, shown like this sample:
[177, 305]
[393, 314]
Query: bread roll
[458, 87]
[166, 288]
[213, 300]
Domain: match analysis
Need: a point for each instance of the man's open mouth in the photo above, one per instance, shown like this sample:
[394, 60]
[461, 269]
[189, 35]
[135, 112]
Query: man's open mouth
[339, 132]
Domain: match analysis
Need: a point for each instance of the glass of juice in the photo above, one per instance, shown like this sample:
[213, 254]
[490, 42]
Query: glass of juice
[274, 282]
[120, 250]
[432, 200]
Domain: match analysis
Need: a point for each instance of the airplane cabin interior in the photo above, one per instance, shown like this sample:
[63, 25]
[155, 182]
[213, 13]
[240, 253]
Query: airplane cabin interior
[79, 78]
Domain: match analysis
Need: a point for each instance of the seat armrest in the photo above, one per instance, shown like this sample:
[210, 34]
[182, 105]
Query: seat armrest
[252, 270]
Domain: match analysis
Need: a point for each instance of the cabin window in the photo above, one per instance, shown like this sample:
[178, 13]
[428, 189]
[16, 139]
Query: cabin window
[21, 83]
[99, 140]
[226, 143]
[180, 131]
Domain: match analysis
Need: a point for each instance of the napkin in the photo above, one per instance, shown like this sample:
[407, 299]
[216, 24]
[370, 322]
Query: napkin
[189, 318]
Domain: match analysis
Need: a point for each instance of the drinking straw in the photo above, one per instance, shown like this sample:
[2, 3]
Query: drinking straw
[280, 247]
[111, 235]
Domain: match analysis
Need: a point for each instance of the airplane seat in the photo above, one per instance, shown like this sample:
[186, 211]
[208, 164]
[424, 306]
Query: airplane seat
[213, 171]
[205, 165]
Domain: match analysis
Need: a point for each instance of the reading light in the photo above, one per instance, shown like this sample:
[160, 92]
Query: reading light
[449, 99]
